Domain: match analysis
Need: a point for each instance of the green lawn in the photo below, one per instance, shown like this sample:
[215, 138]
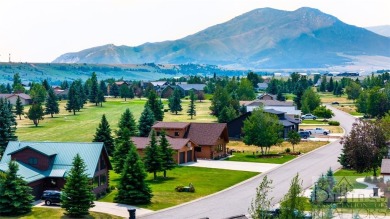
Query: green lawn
[66, 127]
[311, 121]
[205, 180]
[249, 157]
[351, 176]
[44, 213]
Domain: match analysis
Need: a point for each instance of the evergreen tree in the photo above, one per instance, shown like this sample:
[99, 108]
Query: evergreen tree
[51, 103]
[19, 108]
[168, 163]
[81, 92]
[220, 99]
[36, 113]
[103, 87]
[132, 188]
[323, 84]
[114, 90]
[64, 85]
[175, 101]
[127, 121]
[125, 91]
[9, 88]
[17, 81]
[228, 114]
[46, 85]
[122, 147]
[192, 108]
[280, 96]
[131, 93]
[77, 196]
[94, 90]
[101, 98]
[74, 100]
[103, 134]
[15, 194]
[330, 85]
[155, 105]
[7, 125]
[146, 121]
[152, 159]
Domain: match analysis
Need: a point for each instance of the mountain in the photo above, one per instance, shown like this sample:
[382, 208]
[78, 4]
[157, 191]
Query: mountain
[383, 30]
[262, 38]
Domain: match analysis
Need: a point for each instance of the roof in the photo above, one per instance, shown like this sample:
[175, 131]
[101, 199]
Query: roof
[64, 154]
[262, 85]
[173, 125]
[158, 83]
[207, 133]
[188, 87]
[245, 102]
[385, 167]
[270, 103]
[265, 94]
[290, 119]
[285, 123]
[21, 95]
[272, 111]
[176, 143]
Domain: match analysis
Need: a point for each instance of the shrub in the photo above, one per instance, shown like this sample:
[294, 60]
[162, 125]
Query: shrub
[166, 110]
[334, 123]
[288, 150]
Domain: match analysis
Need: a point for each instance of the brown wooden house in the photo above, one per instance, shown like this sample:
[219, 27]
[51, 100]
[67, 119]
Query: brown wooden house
[44, 165]
[210, 138]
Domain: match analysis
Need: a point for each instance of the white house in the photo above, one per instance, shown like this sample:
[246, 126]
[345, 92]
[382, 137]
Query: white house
[287, 107]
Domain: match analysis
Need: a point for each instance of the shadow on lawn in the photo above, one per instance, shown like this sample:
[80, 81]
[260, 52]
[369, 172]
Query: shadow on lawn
[160, 180]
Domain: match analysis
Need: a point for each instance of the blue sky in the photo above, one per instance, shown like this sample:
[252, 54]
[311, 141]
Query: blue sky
[41, 30]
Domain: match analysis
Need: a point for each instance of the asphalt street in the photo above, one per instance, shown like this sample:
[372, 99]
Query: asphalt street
[237, 199]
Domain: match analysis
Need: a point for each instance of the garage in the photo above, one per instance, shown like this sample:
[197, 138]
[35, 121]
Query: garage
[182, 157]
[189, 156]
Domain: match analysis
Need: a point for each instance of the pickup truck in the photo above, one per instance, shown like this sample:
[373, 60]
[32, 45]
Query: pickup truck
[318, 131]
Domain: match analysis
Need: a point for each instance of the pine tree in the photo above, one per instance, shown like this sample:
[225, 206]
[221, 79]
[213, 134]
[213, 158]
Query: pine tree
[101, 98]
[103, 134]
[15, 194]
[146, 121]
[132, 188]
[152, 159]
[155, 105]
[192, 108]
[51, 103]
[46, 85]
[94, 90]
[122, 146]
[330, 85]
[168, 163]
[103, 87]
[114, 91]
[127, 121]
[74, 100]
[77, 196]
[125, 91]
[228, 114]
[19, 108]
[7, 125]
[175, 101]
[280, 96]
[36, 113]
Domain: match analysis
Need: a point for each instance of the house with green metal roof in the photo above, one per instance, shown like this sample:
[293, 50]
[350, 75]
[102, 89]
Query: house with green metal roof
[44, 165]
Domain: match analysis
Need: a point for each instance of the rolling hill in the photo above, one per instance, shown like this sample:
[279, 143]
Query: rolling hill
[262, 38]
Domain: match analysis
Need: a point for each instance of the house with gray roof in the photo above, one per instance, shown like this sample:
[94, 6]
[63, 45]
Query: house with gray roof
[24, 98]
[186, 88]
[45, 165]
[284, 106]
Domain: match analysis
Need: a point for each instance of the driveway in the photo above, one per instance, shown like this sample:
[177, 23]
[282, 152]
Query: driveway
[233, 165]
[236, 200]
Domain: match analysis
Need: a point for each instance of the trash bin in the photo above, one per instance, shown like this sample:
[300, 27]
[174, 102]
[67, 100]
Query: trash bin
[375, 191]
[131, 213]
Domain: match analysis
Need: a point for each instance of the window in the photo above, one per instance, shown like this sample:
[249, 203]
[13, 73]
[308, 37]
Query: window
[198, 149]
[32, 161]
[103, 179]
[176, 133]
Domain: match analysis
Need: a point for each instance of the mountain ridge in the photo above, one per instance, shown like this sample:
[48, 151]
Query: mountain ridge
[261, 38]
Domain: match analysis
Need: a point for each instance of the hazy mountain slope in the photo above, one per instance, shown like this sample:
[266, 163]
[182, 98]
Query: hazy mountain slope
[383, 30]
[262, 38]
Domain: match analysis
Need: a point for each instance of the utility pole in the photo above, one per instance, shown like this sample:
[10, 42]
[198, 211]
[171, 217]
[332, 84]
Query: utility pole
[9, 58]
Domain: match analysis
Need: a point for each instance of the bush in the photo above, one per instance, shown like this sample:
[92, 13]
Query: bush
[288, 150]
[334, 123]
[166, 110]
[112, 188]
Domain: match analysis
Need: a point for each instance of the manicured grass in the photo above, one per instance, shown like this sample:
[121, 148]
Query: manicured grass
[205, 180]
[44, 213]
[66, 127]
[311, 121]
[249, 157]
[351, 176]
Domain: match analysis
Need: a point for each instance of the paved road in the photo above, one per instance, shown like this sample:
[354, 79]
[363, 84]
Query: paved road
[233, 165]
[237, 199]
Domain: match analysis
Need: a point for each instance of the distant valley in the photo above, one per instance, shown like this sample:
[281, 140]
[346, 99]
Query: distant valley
[260, 39]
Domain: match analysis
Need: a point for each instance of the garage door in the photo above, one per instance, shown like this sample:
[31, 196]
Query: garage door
[189, 156]
[182, 157]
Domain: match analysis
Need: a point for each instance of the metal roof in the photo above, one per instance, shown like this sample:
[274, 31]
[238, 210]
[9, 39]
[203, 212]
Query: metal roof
[187, 87]
[43, 150]
[64, 154]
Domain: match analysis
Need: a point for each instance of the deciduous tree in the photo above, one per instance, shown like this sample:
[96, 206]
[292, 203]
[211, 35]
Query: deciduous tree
[125, 91]
[292, 205]
[38, 93]
[261, 205]
[228, 114]
[323, 112]
[294, 138]
[246, 90]
[310, 101]
[35, 113]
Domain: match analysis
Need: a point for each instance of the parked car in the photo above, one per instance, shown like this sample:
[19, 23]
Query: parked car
[318, 131]
[51, 197]
[309, 116]
[304, 134]
[335, 103]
